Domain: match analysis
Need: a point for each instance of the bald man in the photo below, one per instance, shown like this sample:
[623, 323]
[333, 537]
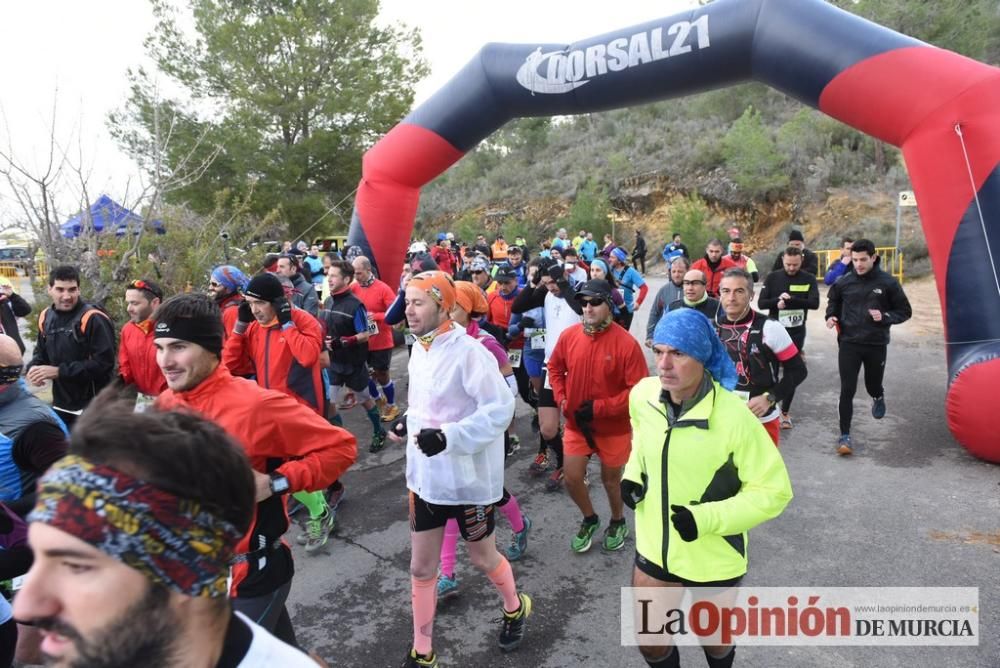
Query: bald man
[377, 298]
[694, 287]
[32, 436]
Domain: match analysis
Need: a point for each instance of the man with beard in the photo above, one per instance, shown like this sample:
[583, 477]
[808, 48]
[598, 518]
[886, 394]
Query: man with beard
[226, 287]
[304, 295]
[671, 291]
[136, 353]
[75, 347]
[145, 585]
[713, 265]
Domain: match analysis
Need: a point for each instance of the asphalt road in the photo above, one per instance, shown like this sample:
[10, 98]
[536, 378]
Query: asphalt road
[910, 508]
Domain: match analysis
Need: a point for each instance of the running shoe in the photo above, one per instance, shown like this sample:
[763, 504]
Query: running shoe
[414, 660]
[540, 465]
[515, 444]
[614, 536]
[582, 540]
[512, 629]
[555, 481]
[786, 421]
[390, 413]
[378, 442]
[844, 445]
[878, 407]
[519, 541]
[349, 401]
[335, 496]
[319, 529]
[447, 587]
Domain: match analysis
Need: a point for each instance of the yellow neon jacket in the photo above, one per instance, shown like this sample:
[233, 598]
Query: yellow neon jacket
[718, 461]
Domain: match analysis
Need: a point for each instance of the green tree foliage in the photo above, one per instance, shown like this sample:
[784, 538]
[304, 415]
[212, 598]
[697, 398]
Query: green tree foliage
[590, 211]
[690, 217]
[752, 158]
[289, 92]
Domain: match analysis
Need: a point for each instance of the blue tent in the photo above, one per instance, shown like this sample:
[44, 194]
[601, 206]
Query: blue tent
[106, 214]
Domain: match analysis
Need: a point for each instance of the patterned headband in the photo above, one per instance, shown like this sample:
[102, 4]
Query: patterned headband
[170, 540]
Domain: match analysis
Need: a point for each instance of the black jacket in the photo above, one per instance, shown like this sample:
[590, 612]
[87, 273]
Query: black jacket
[86, 360]
[851, 297]
[810, 262]
[801, 287]
[11, 309]
[708, 308]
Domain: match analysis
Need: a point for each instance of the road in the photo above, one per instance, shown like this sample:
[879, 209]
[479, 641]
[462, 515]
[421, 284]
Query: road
[910, 508]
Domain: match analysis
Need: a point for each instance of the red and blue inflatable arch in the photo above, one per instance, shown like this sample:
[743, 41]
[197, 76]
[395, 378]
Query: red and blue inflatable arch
[941, 108]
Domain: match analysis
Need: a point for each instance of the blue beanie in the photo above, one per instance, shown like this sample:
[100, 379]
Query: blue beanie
[690, 332]
[230, 278]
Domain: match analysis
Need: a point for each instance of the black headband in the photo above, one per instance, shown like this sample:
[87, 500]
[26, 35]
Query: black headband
[204, 331]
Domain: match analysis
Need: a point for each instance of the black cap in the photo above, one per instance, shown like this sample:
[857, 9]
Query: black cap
[594, 288]
[266, 287]
[505, 273]
[795, 235]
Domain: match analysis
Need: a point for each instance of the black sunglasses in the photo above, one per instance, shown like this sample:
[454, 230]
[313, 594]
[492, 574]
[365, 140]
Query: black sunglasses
[594, 301]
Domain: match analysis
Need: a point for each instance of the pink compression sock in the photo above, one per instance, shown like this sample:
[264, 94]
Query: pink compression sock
[512, 511]
[448, 547]
[502, 578]
[424, 598]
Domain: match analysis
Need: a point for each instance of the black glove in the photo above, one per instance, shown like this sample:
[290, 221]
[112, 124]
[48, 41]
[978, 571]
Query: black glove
[399, 427]
[244, 313]
[528, 321]
[283, 309]
[431, 441]
[684, 522]
[556, 272]
[584, 414]
[633, 492]
[334, 343]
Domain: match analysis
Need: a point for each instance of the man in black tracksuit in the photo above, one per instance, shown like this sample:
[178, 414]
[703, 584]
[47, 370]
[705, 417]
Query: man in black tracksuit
[862, 306]
[75, 349]
[788, 296]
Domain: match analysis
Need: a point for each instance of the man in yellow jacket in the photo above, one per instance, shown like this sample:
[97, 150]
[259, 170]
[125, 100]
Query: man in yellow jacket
[716, 474]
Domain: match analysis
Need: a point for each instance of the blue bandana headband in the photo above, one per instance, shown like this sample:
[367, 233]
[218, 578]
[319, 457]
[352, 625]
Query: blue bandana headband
[693, 334]
[230, 277]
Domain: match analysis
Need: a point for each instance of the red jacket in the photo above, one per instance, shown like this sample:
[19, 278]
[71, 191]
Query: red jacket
[444, 259]
[230, 307]
[270, 426]
[602, 368]
[137, 359]
[499, 314]
[286, 359]
[377, 298]
[713, 278]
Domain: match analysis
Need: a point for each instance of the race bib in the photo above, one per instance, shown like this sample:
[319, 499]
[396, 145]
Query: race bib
[515, 358]
[143, 402]
[791, 317]
[742, 394]
[538, 340]
[16, 583]
[372, 326]
[621, 293]
[547, 385]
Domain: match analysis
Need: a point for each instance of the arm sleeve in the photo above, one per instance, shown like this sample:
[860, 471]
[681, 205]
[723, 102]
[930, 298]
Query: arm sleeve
[567, 293]
[835, 271]
[397, 310]
[317, 452]
[655, 312]
[18, 304]
[101, 361]
[528, 299]
[39, 446]
[793, 368]
[634, 370]
[310, 301]
[633, 467]
[494, 406]
[767, 301]
[304, 339]
[752, 268]
[361, 320]
[124, 365]
[643, 291]
[236, 350]
[765, 489]
[833, 302]
[899, 306]
[40, 356]
[556, 370]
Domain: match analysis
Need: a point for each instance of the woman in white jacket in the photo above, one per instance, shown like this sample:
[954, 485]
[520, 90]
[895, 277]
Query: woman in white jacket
[459, 407]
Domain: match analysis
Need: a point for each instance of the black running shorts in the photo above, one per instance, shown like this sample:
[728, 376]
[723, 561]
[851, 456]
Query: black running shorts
[474, 522]
[546, 399]
[655, 571]
[380, 359]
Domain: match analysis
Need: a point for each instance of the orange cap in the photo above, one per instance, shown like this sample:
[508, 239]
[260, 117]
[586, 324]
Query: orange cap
[470, 298]
[438, 285]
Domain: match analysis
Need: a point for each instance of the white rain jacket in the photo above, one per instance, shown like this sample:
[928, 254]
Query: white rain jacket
[456, 387]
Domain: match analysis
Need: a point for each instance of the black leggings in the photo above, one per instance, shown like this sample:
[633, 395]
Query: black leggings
[850, 359]
[798, 336]
[270, 612]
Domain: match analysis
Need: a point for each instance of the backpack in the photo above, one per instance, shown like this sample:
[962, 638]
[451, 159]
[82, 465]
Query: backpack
[79, 323]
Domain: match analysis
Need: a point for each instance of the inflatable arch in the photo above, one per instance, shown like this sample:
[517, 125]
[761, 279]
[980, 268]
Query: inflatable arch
[941, 108]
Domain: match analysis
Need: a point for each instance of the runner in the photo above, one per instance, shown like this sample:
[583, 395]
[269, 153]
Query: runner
[284, 345]
[226, 286]
[629, 279]
[671, 291]
[149, 591]
[713, 265]
[470, 305]
[788, 296]
[696, 296]
[500, 303]
[377, 298]
[459, 406]
[760, 348]
[601, 271]
[552, 292]
[136, 353]
[862, 305]
[530, 326]
[723, 476]
[291, 448]
[592, 369]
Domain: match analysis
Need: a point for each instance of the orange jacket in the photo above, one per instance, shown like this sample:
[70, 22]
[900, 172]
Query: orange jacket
[230, 310]
[137, 359]
[601, 368]
[286, 359]
[273, 428]
[499, 250]
[713, 277]
[499, 315]
[377, 298]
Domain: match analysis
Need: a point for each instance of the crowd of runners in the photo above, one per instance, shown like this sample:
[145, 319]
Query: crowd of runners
[148, 504]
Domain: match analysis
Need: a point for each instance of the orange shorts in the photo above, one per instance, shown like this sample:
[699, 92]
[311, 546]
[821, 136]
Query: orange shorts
[613, 451]
[773, 430]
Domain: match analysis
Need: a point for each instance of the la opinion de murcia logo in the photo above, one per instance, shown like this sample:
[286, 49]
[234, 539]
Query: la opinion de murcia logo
[557, 72]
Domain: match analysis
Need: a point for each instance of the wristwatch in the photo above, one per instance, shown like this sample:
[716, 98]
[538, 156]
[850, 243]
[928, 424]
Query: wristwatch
[279, 483]
[771, 398]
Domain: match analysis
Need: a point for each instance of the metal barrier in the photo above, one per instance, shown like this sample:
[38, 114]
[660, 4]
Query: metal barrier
[892, 260]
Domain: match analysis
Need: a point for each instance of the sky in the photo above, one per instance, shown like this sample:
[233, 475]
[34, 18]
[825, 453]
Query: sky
[73, 56]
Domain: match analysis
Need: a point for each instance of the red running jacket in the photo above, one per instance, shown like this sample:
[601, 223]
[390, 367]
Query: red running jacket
[601, 368]
[137, 359]
[377, 298]
[278, 434]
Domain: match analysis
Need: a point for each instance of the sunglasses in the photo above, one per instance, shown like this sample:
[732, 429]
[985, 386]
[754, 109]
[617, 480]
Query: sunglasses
[143, 285]
[478, 271]
[593, 301]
